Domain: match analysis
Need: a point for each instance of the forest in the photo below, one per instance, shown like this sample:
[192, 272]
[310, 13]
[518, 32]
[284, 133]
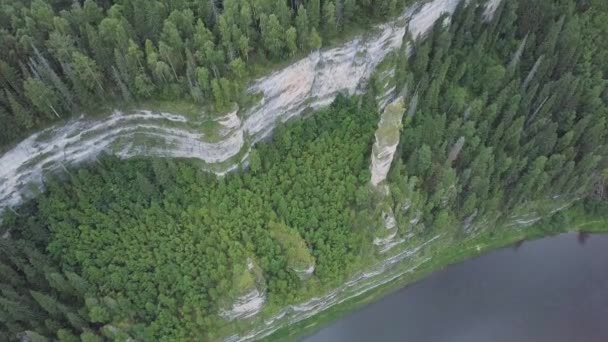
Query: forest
[501, 113]
[506, 112]
[121, 233]
[64, 57]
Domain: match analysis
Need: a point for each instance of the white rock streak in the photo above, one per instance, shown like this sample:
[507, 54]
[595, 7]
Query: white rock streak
[390, 225]
[250, 303]
[246, 306]
[306, 273]
[82, 139]
[312, 82]
[423, 20]
[491, 7]
[377, 275]
[387, 139]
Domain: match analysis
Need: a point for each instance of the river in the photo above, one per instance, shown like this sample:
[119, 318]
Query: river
[554, 289]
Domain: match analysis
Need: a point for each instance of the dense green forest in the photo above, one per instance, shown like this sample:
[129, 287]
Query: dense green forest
[506, 112]
[157, 241]
[61, 57]
[500, 114]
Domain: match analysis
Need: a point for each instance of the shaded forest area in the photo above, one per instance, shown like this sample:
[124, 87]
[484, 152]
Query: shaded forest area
[61, 57]
[501, 114]
[506, 112]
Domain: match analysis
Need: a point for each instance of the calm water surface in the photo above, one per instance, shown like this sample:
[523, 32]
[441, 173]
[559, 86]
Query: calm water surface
[554, 290]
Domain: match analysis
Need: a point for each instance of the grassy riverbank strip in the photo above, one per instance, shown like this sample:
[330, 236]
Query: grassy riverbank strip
[579, 218]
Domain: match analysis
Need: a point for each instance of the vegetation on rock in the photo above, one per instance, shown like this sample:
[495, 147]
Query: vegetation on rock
[61, 57]
[510, 114]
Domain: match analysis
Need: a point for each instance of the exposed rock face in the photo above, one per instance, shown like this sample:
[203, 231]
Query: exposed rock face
[377, 275]
[417, 217]
[389, 240]
[250, 303]
[246, 306]
[390, 225]
[387, 139]
[383, 152]
[304, 274]
[424, 19]
[312, 82]
[468, 221]
[81, 139]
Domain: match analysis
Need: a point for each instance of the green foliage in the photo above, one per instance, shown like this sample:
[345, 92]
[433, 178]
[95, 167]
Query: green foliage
[154, 249]
[329, 18]
[148, 241]
[298, 255]
[502, 121]
[272, 35]
[65, 57]
[314, 40]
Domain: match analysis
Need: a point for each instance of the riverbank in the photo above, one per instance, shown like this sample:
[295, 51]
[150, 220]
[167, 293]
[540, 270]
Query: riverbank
[578, 218]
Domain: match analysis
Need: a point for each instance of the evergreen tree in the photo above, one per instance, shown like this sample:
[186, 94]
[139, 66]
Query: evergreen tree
[329, 18]
[314, 13]
[272, 35]
[315, 41]
[48, 303]
[291, 38]
[302, 27]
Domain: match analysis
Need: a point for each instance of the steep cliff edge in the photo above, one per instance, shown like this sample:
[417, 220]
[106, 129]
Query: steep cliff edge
[387, 139]
[249, 294]
[322, 216]
[312, 82]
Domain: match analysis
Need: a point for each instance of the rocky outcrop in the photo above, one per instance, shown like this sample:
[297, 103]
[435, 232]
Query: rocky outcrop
[312, 82]
[376, 275]
[251, 288]
[389, 238]
[139, 133]
[455, 150]
[387, 139]
[383, 152]
[305, 273]
[246, 306]
[390, 227]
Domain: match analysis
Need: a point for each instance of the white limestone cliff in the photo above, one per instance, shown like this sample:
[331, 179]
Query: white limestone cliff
[387, 139]
[389, 238]
[246, 306]
[312, 82]
[250, 303]
[390, 225]
[376, 275]
[81, 139]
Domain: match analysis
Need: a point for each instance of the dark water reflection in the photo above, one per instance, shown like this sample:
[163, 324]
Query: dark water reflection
[553, 290]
